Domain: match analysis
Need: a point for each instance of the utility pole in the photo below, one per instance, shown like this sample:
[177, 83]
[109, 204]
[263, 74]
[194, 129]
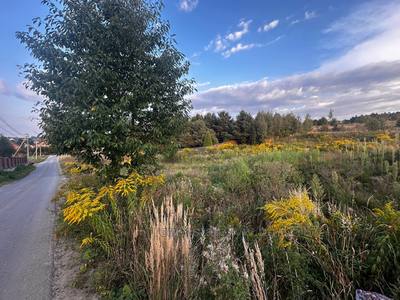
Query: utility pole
[36, 149]
[27, 147]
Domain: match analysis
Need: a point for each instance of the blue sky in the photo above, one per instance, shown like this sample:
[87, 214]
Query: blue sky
[301, 56]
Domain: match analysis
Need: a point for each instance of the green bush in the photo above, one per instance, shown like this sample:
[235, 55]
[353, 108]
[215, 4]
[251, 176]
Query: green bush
[233, 177]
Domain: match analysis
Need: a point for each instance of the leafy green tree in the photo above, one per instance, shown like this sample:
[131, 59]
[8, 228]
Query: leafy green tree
[245, 130]
[212, 122]
[290, 124]
[263, 124]
[321, 122]
[5, 147]
[209, 138]
[112, 81]
[194, 134]
[374, 123]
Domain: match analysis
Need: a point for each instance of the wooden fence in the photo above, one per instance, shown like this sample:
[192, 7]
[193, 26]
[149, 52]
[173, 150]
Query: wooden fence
[12, 162]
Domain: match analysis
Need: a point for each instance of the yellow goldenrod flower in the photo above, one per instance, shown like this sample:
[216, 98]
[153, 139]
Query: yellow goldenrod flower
[284, 215]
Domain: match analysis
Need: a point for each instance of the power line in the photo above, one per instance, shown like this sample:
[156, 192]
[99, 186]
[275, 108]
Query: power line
[10, 127]
[6, 131]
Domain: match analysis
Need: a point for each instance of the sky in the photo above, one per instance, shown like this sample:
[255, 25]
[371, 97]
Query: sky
[300, 56]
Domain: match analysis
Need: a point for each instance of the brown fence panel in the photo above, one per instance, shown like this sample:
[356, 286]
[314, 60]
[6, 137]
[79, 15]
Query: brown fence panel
[12, 162]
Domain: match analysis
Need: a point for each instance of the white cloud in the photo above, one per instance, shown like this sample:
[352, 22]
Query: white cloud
[365, 78]
[220, 44]
[237, 48]
[188, 5]
[308, 15]
[202, 84]
[243, 29]
[367, 89]
[295, 22]
[19, 91]
[371, 33]
[269, 26]
[25, 93]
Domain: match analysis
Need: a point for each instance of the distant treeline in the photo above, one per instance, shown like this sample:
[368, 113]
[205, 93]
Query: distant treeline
[244, 129]
[376, 121]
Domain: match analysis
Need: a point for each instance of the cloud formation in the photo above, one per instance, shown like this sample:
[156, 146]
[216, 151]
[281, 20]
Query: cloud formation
[310, 14]
[223, 44]
[23, 92]
[19, 91]
[371, 88]
[364, 79]
[239, 47]
[188, 5]
[269, 26]
[243, 29]
[371, 33]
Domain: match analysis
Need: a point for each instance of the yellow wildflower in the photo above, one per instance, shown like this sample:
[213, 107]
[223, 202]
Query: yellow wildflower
[287, 214]
[87, 241]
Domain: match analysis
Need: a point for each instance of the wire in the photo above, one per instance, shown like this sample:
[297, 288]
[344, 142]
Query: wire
[12, 128]
[6, 131]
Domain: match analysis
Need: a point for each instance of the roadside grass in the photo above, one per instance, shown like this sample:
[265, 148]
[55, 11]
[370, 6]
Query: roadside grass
[18, 173]
[38, 160]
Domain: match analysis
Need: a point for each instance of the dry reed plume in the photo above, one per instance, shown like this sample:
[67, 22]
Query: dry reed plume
[168, 259]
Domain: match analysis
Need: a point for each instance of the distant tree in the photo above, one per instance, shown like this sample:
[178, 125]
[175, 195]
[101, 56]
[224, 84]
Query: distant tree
[374, 123]
[291, 124]
[307, 124]
[212, 121]
[335, 123]
[263, 124]
[198, 117]
[330, 114]
[226, 127]
[194, 133]
[245, 131]
[5, 147]
[322, 121]
[113, 82]
[209, 138]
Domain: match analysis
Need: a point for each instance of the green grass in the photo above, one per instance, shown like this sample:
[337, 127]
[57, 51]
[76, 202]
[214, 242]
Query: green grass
[38, 160]
[18, 173]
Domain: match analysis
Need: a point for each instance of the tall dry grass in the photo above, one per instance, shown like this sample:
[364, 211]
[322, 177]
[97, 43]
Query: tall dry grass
[254, 266]
[169, 258]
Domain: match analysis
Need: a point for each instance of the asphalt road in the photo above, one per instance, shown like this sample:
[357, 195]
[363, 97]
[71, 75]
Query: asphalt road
[26, 227]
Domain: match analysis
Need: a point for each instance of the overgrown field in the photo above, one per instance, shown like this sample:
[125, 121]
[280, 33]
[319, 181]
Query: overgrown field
[315, 217]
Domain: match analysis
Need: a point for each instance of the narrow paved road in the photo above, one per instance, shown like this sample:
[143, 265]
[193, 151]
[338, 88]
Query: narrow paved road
[26, 226]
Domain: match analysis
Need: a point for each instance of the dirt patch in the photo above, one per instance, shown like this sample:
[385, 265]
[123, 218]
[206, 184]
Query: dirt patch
[66, 268]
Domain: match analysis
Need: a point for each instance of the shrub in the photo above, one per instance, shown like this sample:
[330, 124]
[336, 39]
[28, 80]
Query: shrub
[233, 177]
[274, 180]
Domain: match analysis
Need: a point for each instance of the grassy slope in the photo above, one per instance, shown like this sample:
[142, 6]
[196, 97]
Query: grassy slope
[18, 173]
